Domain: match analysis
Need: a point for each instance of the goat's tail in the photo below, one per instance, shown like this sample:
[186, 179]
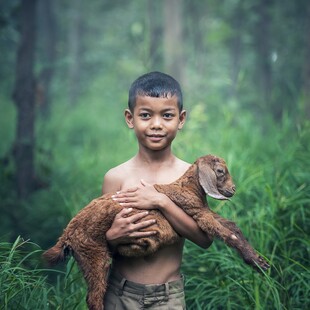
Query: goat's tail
[56, 254]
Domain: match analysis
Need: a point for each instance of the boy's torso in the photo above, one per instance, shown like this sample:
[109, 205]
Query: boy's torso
[164, 265]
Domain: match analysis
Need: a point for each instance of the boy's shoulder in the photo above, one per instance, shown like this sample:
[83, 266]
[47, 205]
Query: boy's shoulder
[122, 168]
[182, 164]
[114, 177]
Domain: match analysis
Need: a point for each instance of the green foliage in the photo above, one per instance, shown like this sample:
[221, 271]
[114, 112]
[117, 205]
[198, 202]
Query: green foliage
[24, 284]
[19, 286]
[272, 209]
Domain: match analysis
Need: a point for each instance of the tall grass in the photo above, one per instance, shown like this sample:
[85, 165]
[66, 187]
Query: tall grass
[25, 285]
[272, 209]
[22, 287]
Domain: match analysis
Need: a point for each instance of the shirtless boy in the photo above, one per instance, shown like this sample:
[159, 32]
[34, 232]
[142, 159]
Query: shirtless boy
[155, 113]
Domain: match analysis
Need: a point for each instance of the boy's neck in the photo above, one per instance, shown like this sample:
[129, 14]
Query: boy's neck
[155, 157]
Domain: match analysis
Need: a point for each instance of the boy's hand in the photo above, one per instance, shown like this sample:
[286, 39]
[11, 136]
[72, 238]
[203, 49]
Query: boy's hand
[145, 197]
[125, 227]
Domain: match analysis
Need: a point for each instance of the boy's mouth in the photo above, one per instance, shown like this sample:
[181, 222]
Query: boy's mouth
[155, 137]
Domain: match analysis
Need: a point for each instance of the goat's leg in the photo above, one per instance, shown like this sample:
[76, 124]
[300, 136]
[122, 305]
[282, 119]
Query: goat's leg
[244, 248]
[212, 227]
[95, 267]
[246, 251]
[233, 237]
[235, 230]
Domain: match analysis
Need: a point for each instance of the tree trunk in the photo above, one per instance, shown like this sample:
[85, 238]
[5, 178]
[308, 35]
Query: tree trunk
[173, 42]
[74, 41]
[263, 47]
[23, 96]
[235, 45]
[307, 63]
[48, 39]
[156, 33]
[197, 15]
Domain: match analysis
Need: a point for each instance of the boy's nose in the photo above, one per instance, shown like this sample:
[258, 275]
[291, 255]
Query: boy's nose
[156, 122]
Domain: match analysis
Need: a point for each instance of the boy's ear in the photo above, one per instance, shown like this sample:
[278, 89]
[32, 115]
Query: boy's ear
[129, 118]
[182, 119]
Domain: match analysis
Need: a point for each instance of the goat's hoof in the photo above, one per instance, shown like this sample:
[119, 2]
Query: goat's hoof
[256, 261]
[263, 264]
[260, 264]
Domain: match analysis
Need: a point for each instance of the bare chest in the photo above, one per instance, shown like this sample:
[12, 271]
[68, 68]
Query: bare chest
[133, 179]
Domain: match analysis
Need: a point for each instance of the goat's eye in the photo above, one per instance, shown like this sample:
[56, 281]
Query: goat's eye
[220, 171]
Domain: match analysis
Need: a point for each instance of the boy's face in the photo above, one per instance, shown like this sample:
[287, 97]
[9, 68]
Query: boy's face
[156, 121]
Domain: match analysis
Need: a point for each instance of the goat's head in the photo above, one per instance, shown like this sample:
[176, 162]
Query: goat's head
[214, 177]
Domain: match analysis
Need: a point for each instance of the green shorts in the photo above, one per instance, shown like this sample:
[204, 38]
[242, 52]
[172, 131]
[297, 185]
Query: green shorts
[122, 294]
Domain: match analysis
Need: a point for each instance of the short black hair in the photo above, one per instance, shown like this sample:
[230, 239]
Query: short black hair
[155, 84]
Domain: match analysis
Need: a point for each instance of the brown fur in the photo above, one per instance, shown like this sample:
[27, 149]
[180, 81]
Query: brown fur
[84, 236]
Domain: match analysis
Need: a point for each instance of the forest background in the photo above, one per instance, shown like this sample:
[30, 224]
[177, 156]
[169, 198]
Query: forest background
[244, 66]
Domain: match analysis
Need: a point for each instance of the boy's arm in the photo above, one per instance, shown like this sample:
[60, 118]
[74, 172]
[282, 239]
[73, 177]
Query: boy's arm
[124, 227]
[147, 197]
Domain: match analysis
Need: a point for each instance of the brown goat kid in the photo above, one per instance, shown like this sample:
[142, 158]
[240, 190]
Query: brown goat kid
[84, 236]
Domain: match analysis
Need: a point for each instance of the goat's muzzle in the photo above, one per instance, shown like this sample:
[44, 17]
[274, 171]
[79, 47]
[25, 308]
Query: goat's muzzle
[228, 192]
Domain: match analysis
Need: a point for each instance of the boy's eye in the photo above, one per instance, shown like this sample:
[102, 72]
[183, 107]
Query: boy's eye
[145, 115]
[168, 115]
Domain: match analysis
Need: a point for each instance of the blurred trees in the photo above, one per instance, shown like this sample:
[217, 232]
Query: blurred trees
[75, 41]
[256, 49]
[248, 56]
[173, 39]
[263, 48]
[47, 30]
[306, 66]
[156, 33]
[24, 97]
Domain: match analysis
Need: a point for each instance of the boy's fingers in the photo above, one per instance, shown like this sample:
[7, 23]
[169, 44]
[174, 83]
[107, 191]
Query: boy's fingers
[138, 216]
[123, 198]
[144, 224]
[140, 234]
[124, 213]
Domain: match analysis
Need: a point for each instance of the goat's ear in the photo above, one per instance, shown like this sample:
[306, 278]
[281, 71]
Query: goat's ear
[207, 180]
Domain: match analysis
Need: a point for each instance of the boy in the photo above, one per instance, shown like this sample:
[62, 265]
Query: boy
[155, 112]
